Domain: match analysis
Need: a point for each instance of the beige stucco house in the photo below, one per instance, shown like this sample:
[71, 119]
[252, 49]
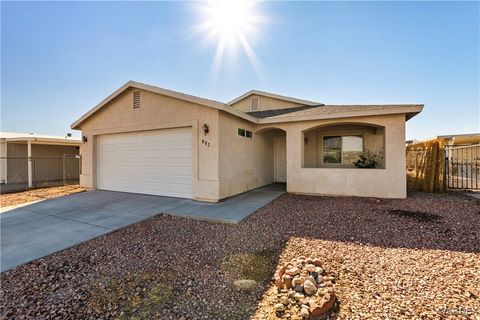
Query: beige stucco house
[150, 140]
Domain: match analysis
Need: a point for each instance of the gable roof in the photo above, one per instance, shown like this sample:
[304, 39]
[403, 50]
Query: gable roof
[275, 96]
[170, 93]
[309, 110]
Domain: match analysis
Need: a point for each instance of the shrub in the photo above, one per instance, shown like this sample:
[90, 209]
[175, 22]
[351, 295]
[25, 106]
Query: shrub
[369, 159]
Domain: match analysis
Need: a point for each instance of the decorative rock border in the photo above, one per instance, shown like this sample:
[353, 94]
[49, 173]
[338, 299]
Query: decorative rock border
[302, 283]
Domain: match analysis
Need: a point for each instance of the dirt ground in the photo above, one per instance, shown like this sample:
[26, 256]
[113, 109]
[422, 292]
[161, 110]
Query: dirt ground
[417, 258]
[16, 198]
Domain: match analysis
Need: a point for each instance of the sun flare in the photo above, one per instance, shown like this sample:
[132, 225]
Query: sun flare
[230, 24]
[230, 20]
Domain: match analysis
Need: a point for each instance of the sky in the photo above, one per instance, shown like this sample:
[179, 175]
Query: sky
[59, 59]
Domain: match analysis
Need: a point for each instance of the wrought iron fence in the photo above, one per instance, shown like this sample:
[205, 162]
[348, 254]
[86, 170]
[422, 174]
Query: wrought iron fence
[462, 165]
[20, 173]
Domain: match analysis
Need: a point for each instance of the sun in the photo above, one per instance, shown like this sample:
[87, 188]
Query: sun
[231, 24]
[229, 19]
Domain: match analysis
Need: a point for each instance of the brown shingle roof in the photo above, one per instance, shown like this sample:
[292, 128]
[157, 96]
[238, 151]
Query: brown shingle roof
[331, 109]
[278, 112]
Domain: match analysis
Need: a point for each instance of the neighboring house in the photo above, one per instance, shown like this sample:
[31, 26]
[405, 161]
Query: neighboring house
[444, 162]
[465, 139]
[28, 160]
[462, 147]
[149, 140]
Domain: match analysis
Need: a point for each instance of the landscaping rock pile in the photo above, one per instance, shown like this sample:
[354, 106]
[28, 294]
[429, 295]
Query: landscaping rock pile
[303, 289]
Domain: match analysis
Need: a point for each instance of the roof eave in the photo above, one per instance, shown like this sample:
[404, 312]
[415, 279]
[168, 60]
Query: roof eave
[410, 115]
[177, 95]
[412, 109]
[76, 124]
[51, 140]
[272, 95]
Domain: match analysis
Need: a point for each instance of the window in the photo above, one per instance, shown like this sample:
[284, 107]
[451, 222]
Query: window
[254, 104]
[332, 149]
[244, 133]
[342, 149]
[136, 99]
[352, 148]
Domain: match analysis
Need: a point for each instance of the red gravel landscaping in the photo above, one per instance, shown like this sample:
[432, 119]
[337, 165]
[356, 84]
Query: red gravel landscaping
[390, 259]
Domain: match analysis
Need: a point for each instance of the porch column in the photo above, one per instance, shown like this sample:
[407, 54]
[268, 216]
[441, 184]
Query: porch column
[4, 161]
[29, 169]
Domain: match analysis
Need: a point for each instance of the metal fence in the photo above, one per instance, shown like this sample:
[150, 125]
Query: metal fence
[20, 173]
[462, 165]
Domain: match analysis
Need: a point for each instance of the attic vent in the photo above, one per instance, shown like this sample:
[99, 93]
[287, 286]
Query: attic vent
[254, 105]
[136, 99]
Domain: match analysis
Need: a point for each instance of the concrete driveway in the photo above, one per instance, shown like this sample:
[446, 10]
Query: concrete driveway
[45, 227]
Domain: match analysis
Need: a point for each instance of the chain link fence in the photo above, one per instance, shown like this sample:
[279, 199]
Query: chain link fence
[44, 172]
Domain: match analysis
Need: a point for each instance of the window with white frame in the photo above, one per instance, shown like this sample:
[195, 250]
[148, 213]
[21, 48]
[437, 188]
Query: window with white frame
[342, 149]
[244, 133]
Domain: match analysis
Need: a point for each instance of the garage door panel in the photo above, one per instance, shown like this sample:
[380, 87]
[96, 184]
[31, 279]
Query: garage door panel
[166, 154]
[155, 162]
[170, 179]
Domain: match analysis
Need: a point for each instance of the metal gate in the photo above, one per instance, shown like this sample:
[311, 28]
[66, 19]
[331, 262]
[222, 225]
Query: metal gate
[462, 165]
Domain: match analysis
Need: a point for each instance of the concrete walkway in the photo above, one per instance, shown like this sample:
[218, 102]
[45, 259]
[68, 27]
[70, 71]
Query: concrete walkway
[48, 226]
[231, 210]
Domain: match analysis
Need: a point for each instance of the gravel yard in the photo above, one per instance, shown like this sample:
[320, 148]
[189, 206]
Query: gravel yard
[13, 199]
[390, 259]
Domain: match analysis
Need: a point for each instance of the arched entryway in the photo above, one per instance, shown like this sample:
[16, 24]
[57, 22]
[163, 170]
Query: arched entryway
[340, 145]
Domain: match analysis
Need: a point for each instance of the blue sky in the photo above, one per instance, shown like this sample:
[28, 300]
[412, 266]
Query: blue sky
[59, 59]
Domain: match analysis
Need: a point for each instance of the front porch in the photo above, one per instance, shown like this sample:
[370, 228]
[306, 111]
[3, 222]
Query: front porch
[356, 157]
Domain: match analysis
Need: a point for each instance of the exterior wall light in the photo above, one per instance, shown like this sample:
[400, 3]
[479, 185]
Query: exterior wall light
[205, 128]
[305, 140]
[84, 139]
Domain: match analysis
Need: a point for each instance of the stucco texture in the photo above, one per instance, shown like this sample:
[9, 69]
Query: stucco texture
[389, 182]
[157, 112]
[264, 103]
[230, 164]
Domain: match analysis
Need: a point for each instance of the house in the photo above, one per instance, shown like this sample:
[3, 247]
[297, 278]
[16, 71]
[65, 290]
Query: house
[34, 160]
[444, 162]
[145, 139]
[466, 139]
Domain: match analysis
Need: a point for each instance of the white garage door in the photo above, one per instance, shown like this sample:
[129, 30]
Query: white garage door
[151, 162]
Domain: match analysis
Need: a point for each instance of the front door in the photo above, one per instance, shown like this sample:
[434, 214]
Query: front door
[280, 153]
